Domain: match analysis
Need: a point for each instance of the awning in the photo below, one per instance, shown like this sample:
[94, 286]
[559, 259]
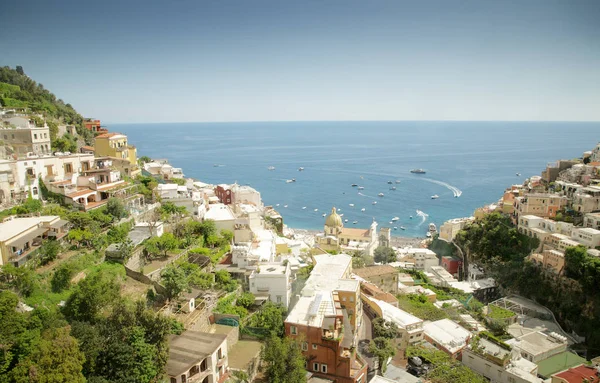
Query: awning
[59, 223]
[27, 237]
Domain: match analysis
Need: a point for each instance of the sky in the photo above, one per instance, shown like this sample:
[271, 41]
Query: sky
[251, 60]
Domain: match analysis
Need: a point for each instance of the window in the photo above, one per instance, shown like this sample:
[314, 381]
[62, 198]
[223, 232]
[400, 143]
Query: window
[173, 380]
[314, 346]
[279, 299]
[351, 299]
[35, 190]
[293, 330]
[45, 135]
[304, 346]
[324, 368]
[316, 367]
[35, 136]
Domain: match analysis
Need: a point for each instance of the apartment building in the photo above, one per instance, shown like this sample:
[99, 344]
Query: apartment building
[384, 276]
[21, 237]
[447, 336]
[272, 282]
[592, 220]
[115, 145]
[550, 258]
[22, 134]
[537, 346]
[197, 357]
[411, 327]
[450, 228]
[423, 259]
[543, 205]
[497, 362]
[587, 237]
[326, 318]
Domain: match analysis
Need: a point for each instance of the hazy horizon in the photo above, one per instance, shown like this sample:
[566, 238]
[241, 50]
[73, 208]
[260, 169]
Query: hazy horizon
[233, 61]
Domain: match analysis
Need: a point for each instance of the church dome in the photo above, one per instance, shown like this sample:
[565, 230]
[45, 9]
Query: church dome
[333, 219]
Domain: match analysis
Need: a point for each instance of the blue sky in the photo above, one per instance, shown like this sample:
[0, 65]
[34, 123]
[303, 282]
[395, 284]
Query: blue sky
[167, 61]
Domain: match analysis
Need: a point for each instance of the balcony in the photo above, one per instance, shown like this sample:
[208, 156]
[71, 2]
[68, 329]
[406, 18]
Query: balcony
[221, 360]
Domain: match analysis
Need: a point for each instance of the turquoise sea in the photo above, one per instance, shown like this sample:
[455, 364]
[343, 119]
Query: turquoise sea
[476, 160]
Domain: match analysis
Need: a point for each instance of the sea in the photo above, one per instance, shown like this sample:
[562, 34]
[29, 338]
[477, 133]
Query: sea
[467, 164]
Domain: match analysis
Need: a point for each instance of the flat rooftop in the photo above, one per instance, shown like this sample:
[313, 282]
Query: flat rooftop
[536, 343]
[16, 226]
[219, 212]
[190, 348]
[372, 271]
[396, 315]
[447, 333]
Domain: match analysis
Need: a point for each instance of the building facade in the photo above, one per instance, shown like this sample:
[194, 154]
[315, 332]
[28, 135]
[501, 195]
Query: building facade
[326, 318]
[273, 282]
[384, 276]
[197, 357]
[115, 145]
[22, 134]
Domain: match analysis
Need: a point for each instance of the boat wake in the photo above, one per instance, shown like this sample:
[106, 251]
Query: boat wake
[456, 191]
[366, 195]
[423, 217]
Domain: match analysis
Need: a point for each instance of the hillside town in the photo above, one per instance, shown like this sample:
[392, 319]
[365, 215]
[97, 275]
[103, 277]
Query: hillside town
[242, 289]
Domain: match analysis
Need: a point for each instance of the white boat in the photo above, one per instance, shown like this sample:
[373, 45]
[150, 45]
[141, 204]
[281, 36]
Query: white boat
[395, 219]
[518, 174]
[285, 205]
[393, 188]
[316, 209]
[391, 223]
[290, 181]
[435, 196]
[324, 214]
[355, 222]
[351, 205]
[402, 228]
[361, 188]
[363, 209]
[432, 228]
[395, 228]
[277, 205]
[271, 168]
[397, 181]
[341, 215]
[345, 220]
[300, 169]
[303, 207]
[380, 194]
[411, 217]
[389, 182]
[374, 203]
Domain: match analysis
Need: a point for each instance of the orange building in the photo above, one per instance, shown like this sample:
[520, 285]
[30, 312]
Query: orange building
[326, 320]
[94, 125]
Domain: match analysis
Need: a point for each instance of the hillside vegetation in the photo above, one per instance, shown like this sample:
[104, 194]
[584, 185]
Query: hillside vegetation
[19, 91]
[497, 245]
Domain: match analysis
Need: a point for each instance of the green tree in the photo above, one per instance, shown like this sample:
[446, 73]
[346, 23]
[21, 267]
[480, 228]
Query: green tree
[162, 244]
[384, 255]
[49, 251]
[174, 281]
[116, 209]
[245, 300]
[81, 237]
[283, 360]
[383, 349]
[91, 296]
[385, 329]
[224, 281]
[61, 279]
[56, 359]
[21, 279]
[270, 316]
[20, 70]
[144, 159]
[13, 327]
[576, 260]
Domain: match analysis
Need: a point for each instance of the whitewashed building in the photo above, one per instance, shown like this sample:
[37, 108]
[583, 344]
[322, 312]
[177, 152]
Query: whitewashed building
[273, 282]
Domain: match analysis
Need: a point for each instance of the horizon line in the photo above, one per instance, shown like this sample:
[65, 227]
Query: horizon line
[303, 121]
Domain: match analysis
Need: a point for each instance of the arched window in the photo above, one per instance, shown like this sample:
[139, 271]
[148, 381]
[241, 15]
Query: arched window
[35, 190]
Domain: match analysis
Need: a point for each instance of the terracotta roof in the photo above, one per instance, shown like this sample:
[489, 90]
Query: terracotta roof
[355, 232]
[108, 135]
[375, 292]
[372, 271]
[578, 374]
[90, 148]
[81, 192]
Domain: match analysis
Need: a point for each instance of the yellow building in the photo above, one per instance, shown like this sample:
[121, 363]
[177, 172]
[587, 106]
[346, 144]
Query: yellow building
[115, 145]
[336, 237]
